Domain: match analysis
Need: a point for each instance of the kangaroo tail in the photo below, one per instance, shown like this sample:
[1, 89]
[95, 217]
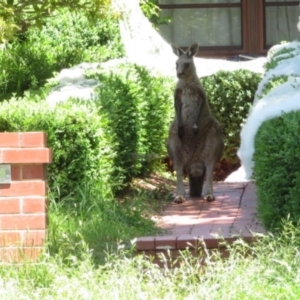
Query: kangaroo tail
[196, 183]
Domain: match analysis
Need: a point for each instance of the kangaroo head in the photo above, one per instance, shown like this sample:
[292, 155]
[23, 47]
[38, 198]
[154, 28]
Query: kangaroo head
[185, 64]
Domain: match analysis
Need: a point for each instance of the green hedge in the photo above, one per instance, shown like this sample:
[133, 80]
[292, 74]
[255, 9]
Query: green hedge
[136, 110]
[230, 95]
[277, 151]
[276, 169]
[74, 135]
[120, 136]
[65, 40]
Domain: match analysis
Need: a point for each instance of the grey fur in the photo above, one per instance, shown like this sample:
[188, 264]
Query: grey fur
[195, 142]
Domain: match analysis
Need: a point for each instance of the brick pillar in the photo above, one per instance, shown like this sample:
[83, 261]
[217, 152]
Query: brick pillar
[23, 216]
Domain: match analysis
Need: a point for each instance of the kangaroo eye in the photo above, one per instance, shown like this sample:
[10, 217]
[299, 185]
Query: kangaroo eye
[186, 65]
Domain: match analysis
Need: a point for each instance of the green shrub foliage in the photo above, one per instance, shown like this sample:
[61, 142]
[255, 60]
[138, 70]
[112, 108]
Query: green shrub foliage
[135, 110]
[276, 169]
[73, 134]
[111, 140]
[230, 95]
[65, 40]
[122, 134]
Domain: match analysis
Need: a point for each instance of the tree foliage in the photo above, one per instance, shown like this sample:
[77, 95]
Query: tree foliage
[17, 16]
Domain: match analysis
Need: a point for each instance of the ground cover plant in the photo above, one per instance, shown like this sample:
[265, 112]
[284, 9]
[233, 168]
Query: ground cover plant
[93, 220]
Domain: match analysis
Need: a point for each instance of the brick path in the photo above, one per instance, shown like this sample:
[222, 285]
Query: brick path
[233, 214]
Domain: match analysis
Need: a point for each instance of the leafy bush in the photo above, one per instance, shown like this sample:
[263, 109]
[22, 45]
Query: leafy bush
[110, 140]
[230, 95]
[151, 10]
[65, 40]
[277, 140]
[73, 134]
[135, 110]
[276, 169]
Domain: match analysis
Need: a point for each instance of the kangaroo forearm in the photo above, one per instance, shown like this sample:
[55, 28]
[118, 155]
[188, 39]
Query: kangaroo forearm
[178, 106]
[201, 98]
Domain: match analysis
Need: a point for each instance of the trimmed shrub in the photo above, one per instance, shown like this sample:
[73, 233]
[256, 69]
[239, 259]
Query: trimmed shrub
[110, 140]
[135, 110]
[276, 169]
[230, 96]
[121, 135]
[65, 40]
[277, 150]
[74, 135]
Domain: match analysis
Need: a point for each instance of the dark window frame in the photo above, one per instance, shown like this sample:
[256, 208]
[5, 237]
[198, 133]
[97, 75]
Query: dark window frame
[274, 4]
[215, 50]
[253, 26]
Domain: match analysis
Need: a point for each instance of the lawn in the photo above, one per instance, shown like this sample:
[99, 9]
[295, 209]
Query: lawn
[90, 255]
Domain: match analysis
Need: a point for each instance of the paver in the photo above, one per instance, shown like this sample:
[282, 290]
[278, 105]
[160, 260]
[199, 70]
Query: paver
[233, 214]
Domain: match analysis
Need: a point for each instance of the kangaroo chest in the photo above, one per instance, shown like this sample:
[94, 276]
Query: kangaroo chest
[190, 105]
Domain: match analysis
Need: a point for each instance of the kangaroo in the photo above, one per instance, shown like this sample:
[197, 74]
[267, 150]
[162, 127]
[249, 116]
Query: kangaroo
[195, 142]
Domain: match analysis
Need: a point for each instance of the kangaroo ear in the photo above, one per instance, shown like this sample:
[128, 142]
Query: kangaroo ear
[177, 51]
[193, 50]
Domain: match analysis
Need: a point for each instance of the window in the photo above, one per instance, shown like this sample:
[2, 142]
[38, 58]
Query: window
[210, 23]
[281, 18]
[226, 27]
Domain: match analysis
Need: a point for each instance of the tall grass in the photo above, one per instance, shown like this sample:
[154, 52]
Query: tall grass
[90, 255]
[91, 218]
[268, 269]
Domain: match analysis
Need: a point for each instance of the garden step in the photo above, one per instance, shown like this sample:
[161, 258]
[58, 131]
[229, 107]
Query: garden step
[231, 216]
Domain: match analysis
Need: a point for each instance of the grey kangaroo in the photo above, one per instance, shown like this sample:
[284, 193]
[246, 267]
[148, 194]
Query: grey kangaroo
[195, 142]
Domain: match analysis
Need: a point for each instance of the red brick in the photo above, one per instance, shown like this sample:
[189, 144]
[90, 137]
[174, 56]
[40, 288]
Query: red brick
[187, 241]
[199, 230]
[22, 222]
[8, 139]
[255, 228]
[247, 213]
[33, 171]
[34, 205]
[165, 242]
[20, 254]
[182, 229]
[10, 238]
[221, 230]
[145, 243]
[210, 242]
[33, 140]
[16, 172]
[10, 206]
[43, 155]
[23, 188]
[34, 238]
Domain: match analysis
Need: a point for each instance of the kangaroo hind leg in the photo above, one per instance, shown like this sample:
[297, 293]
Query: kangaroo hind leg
[180, 190]
[196, 179]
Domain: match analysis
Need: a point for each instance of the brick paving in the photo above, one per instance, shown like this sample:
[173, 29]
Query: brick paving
[232, 215]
